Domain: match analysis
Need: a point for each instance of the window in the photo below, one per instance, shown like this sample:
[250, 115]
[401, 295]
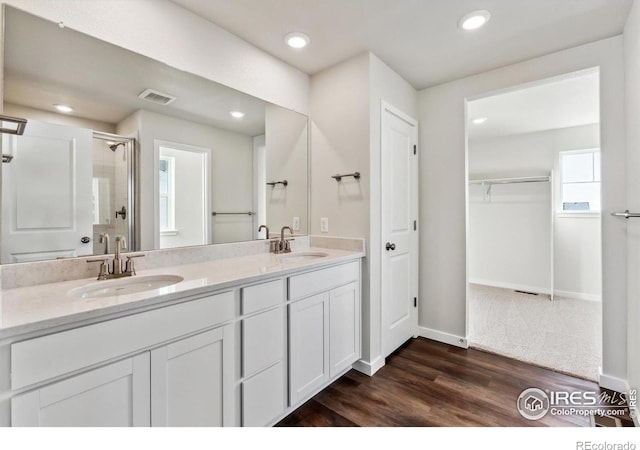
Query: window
[580, 171]
[166, 178]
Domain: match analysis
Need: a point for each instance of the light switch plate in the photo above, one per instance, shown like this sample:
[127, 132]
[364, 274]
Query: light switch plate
[324, 224]
[296, 224]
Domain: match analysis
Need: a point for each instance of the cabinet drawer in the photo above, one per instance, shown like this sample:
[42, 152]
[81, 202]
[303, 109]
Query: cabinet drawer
[50, 356]
[262, 296]
[262, 340]
[307, 284]
[263, 397]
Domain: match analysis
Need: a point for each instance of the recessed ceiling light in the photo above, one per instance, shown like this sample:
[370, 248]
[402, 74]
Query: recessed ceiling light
[474, 20]
[297, 40]
[479, 120]
[64, 108]
[237, 114]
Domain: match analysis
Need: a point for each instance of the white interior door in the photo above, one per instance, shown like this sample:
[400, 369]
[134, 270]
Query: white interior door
[47, 193]
[399, 282]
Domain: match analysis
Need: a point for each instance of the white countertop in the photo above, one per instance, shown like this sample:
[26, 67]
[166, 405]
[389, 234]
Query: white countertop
[33, 308]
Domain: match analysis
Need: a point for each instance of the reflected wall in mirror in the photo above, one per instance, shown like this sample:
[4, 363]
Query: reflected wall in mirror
[148, 151]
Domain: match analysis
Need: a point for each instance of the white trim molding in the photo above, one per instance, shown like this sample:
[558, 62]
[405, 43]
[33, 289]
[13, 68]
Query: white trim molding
[440, 336]
[611, 382]
[512, 286]
[369, 368]
[538, 290]
[578, 296]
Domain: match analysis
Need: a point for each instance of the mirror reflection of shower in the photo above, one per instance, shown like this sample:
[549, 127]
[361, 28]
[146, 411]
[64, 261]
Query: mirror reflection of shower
[110, 188]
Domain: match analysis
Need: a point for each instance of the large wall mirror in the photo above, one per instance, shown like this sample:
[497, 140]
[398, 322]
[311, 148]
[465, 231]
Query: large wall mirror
[118, 144]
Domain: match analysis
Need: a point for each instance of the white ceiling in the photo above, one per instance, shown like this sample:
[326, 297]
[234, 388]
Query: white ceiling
[568, 101]
[46, 65]
[419, 39]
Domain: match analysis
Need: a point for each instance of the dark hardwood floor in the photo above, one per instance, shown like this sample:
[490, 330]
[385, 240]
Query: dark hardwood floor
[426, 383]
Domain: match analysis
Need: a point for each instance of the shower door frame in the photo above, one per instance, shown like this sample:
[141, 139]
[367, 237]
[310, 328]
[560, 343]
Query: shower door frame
[131, 152]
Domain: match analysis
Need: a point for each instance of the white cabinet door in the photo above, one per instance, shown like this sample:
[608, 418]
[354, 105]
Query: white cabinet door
[114, 395]
[344, 326]
[192, 381]
[309, 346]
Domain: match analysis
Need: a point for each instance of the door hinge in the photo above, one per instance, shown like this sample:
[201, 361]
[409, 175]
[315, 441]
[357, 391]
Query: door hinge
[415, 149]
[415, 302]
[415, 225]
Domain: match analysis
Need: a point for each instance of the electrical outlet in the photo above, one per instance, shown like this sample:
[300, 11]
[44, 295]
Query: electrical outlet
[296, 224]
[324, 224]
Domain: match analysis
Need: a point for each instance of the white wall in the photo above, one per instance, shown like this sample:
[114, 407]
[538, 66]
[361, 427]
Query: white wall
[510, 237]
[345, 136]
[286, 141]
[260, 186]
[168, 33]
[11, 109]
[631, 52]
[577, 249]
[340, 144]
[443, 189]
[231, 171]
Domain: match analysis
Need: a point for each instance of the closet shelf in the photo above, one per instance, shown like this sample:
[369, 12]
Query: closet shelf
[491, 181]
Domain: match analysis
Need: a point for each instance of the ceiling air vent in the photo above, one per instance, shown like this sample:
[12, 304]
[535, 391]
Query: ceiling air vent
[156, 97]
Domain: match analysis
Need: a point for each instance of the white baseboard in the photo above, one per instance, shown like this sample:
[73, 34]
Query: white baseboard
[369, 368]
[512, 286]
[538, 290]
[441, 336]
[578, 296]
[613, 383]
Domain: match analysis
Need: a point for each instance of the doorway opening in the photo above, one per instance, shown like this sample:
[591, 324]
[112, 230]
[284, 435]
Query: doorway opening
[182, 195]
[534, 220]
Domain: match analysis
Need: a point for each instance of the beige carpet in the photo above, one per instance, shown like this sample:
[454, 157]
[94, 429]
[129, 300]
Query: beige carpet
[563, 334]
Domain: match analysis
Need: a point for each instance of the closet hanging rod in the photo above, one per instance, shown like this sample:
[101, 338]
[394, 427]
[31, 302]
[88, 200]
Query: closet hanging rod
[248, 213]
[511, 180]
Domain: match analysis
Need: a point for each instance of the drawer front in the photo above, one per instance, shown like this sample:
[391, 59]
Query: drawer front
[263, 397]
[262, 341]
[311, 283]
[262, 296]
[50, 356]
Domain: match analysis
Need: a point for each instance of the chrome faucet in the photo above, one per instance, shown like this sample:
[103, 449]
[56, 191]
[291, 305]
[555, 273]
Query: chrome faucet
[284, 245]
[115, 269]
[265, 228]
[121, 243]
[104, 239]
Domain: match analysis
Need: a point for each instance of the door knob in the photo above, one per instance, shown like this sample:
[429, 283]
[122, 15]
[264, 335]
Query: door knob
[390, 246]
[85, 239]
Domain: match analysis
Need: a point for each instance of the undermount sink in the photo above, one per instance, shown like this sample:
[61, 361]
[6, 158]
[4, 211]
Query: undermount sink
[124, 286]
[301, 256]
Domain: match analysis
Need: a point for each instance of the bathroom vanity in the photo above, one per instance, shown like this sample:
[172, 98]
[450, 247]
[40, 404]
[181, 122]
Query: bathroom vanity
[238, 342]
